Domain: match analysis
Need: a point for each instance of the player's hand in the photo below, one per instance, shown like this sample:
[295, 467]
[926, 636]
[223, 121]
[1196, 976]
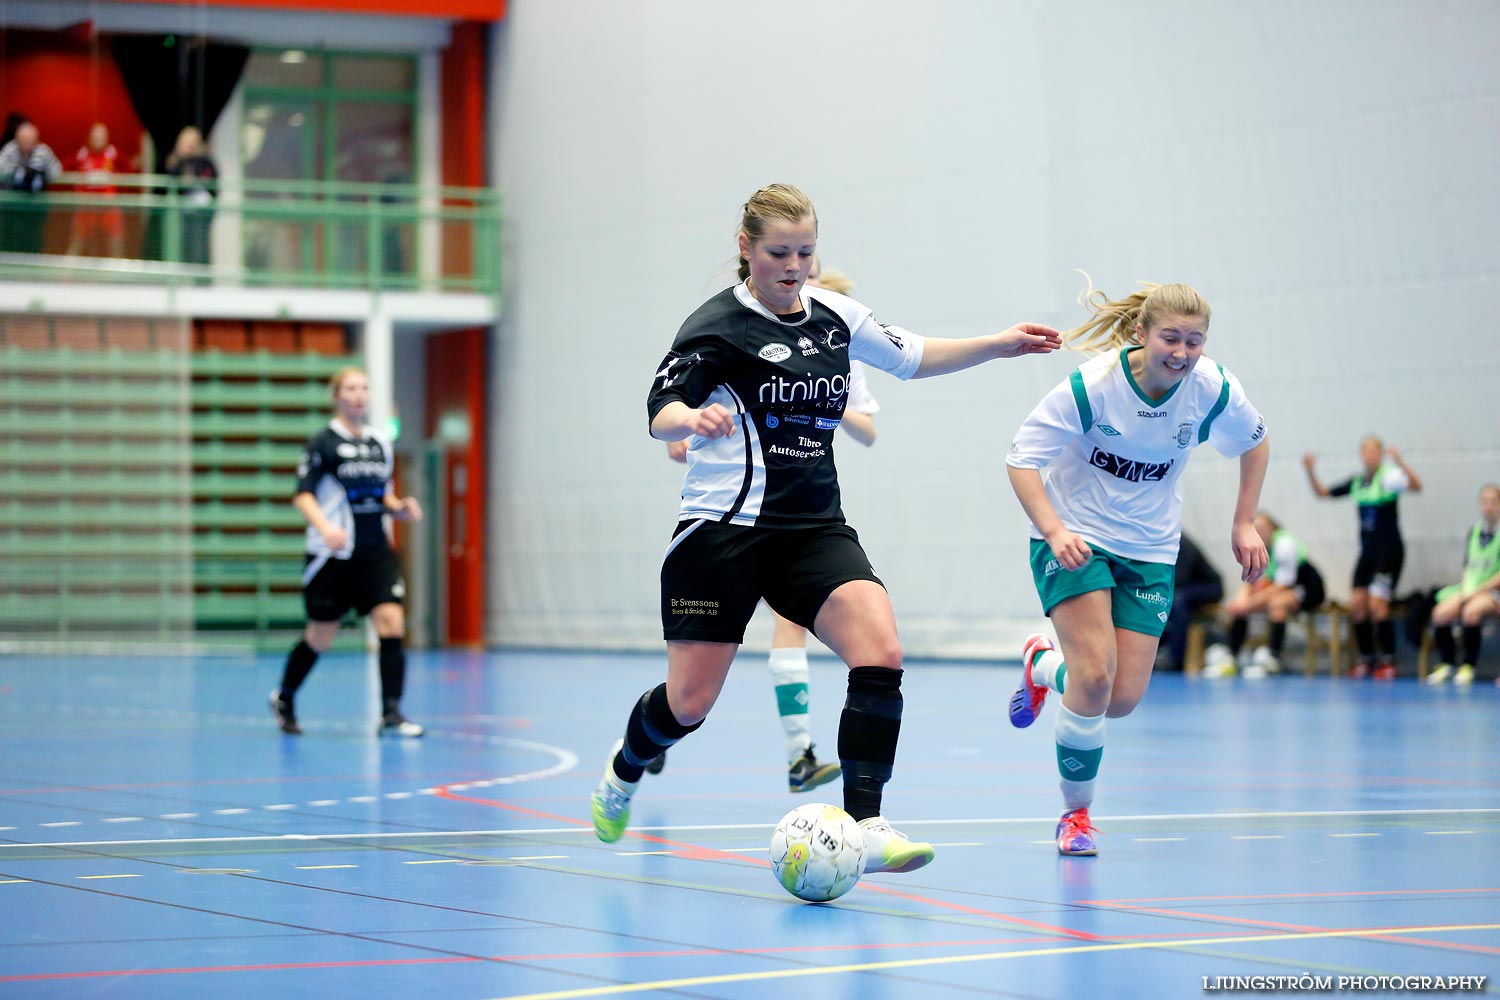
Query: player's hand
[1070, 549]
[409, 511]
[713, 421]
[677, 450]
[1028, 338]
[1309, 460]
[1395, 455]
[1249, 552]
[335, 538]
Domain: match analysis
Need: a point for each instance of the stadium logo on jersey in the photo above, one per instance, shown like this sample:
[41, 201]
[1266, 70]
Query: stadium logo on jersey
[783, 390]
[833, 338]
[893, 338]
[1151, 414]
[1108, 431]
[1129, 469]
[1260, 430]
[776, 352]
[1184, 434]
[808, 347]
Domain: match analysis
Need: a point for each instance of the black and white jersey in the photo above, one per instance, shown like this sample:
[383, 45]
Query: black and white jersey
[786, 381]
[349, 476]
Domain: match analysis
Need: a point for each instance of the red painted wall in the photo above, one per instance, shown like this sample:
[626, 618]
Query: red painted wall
[474, 10]
[457, 364]
[65, 84]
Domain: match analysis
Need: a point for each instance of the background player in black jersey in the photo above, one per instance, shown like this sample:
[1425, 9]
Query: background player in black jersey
[344, 490]
[1383, 478]
[757, 380]
[787, 660]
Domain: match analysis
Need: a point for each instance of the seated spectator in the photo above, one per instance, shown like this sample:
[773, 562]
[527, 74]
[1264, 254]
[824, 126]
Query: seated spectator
[26, 164]
[1291, 584]
[98, 229]
[1473, 599]
[1197, 585]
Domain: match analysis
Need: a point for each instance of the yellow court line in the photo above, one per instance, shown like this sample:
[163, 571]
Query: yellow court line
[913, 963]
[13, 881]
[109, 876]
[319, 868]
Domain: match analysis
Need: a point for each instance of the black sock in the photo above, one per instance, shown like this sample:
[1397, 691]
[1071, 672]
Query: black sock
[1278, 638]
[651, 730]
[1364, 638]
[1471, 643]
[1442, 637]
[1385, 629]
[868, 732]
[299, 663]
[392, 672]
[1238, 629]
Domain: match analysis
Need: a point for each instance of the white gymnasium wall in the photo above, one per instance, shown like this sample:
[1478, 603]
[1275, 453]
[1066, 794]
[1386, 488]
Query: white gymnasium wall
[1325, 173]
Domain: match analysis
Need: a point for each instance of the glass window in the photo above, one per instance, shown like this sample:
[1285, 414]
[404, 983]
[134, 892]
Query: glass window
[284, 68]
[388, 74]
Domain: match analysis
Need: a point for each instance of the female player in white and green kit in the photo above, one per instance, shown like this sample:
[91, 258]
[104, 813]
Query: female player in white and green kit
[1115, 437]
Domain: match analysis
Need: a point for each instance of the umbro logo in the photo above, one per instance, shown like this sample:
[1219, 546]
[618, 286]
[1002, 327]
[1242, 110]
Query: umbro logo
[1108, 431]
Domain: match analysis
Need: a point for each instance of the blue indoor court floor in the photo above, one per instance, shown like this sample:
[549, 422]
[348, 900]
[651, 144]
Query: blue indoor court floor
[160, 839]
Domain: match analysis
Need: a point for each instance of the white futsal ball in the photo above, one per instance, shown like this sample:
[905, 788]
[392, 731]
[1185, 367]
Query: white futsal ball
[817, 852]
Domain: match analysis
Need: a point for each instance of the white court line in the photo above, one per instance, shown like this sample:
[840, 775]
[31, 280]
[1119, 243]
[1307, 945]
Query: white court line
[580, 830]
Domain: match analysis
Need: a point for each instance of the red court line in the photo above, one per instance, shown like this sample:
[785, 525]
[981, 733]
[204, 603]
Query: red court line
[697, 852]
[106, 973]
[1124, 903]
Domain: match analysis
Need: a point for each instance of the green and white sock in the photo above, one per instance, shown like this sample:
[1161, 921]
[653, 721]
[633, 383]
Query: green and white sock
[789, 674]
[1080, 747]
[1049, 670]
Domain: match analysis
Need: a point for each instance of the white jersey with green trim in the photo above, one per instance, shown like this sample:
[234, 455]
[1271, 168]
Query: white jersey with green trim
[1115, 456]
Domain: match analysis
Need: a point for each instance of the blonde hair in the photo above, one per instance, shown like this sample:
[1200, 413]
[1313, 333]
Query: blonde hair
[1115, 320]
[336, 381]
[832, 279]
[774, 201]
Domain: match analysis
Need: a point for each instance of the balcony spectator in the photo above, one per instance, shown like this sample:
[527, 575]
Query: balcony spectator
[98, 228]
[197, 186]
[26, 165]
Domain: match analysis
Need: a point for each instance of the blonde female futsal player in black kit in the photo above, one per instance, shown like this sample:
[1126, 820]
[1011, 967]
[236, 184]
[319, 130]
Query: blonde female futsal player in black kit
[757, 380]
[787, 660]
[1116, 436]
[344, 490]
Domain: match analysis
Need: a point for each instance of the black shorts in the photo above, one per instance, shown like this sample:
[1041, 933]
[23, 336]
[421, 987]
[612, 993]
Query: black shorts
[330, 587]
[1309, 587]
[714, 574]
[1378, 569]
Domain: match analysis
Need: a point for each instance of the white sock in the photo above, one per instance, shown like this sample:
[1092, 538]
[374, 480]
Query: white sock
[1080, 745]
[789, 673]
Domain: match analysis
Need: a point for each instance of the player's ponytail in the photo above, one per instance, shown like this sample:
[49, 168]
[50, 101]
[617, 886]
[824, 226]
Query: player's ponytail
[1114, 320]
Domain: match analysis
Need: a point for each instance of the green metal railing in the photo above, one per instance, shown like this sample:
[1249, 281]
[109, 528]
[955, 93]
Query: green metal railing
[303, 234]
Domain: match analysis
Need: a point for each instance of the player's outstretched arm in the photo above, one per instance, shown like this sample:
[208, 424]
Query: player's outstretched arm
[942, 355]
